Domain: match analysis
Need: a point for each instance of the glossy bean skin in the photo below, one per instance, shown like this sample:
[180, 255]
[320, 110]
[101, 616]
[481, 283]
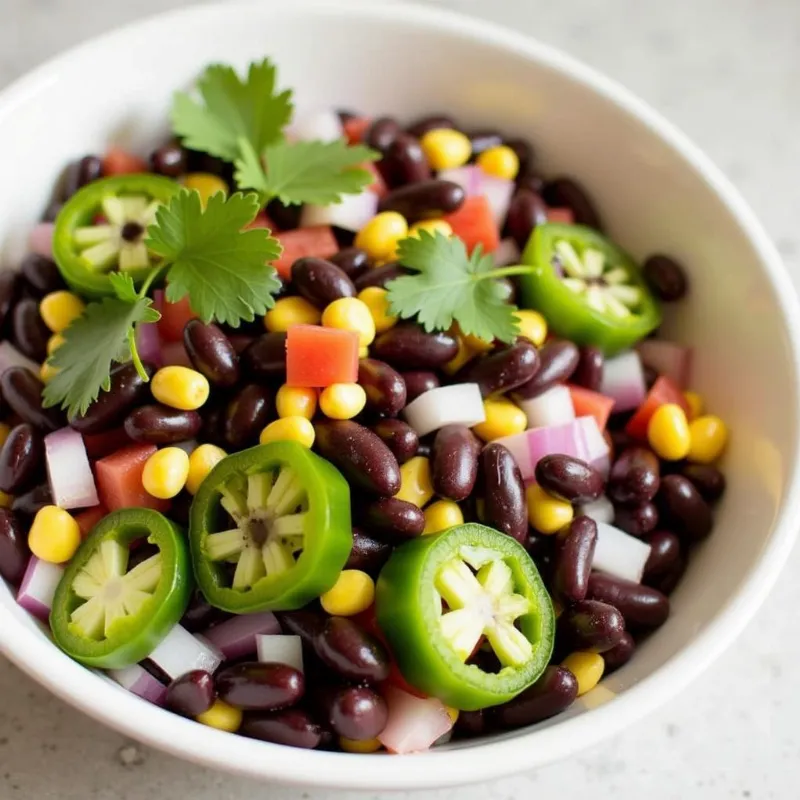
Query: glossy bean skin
[368, 554]
[320, 281]
[305, 623]
[40, 274]
[384, 387]
[684, 508]
[707, 479]
[642, 607]
[404, 162]
[21, 458]
[483, 140]
[29, 332]
[635, 477]
[666, 277]
[591, 625]
[355, 712]
[200, 614]
[353, 261]
[665, 554]
[157, 424]
[424, 199]
[636, 520]
[407, 346]
[430, 123]
[363, 458]
[265, 358]
[380, 276]
[526, 211]
[211, 353]
[572, 561]
[567, 193]
[569, 478]
[22, 391]
[558, 359]
[10, 286]
[110, 409]
[392, 520]
[589, 372]
[502, 370]
[191, 694]
[399, 437]
[257, 686]
[350, 651]
[503, 492]
[292, 727]
[554, 692]
[454, 462]
[170, 160]
[380, 135]
[246, 415]
[418, 382]
[80, 173]
[620, 654]
[28, 504]
[14, 551]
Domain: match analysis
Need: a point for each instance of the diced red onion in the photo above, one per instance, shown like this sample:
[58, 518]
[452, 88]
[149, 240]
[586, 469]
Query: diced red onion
[469, 178]
[550, 408]
[11, 357]
[498, 191]
[351, 214]
[280, 649]
[158, 300]
[623, 381]
[667, 358]
[236, 636]
[600, 510]
[68, 471]
[139, 681]
[173, 354]
[41, 239]
[180, 652]
[148, 343]
[619, 554]
[38, 587]
[320, 126]
[414, 723]
[457, 404]
[507, 253]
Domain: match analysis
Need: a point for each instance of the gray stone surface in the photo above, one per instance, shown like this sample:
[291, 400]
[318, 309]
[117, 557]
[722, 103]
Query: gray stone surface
[728, 73]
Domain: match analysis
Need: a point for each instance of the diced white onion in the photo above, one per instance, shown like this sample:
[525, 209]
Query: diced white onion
[351, 214]
[414, 723]
[620, 554]
[280, 649]
[68, 471]
[320, 126]
[38, 587]
[600, 510]
[552, 407]
[40, 240]
[498, 191]
[623, 380]
[469, 178]
[139, 681]
[181, 652]
[458, 404]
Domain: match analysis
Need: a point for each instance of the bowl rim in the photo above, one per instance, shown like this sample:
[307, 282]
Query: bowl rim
[497, 757]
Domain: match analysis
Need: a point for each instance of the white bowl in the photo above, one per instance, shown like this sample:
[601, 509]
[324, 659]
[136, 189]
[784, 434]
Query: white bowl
[656, 191]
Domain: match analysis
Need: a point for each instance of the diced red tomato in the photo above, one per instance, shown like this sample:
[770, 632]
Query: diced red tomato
[475, 224]
[102, 444]
[318, 241]
[663, 391]
[119, 479]
[117, 161]
[564, 216]
[355, 128]
[262, 220]
[317, 357]
[174, 317]
[89, 518]
[591, 404]
[378, 184]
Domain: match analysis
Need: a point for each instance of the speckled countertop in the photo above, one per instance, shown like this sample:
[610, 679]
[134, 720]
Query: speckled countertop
[728, 73]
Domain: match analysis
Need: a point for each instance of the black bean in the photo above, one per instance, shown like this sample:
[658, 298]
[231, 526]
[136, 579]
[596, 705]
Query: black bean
[431, 122]
[531, 180]
[380, 276]
[484, 140]
[110, 409]
[554, 692]
[399, 437]
[170, 160]
[29, 332]
[10, 285]
[707, 479]
[636, 520]
[567, 193]
[393, 520]
[540, 547]
[407, 346]
[666, 277]
[591, 625]
[14, 551]
[380, 135]
[503, 369]
[191, 694]
[665, 553]
[470, 724]
[619, 440]
[211, 353]
[642, 607]
[524, 151]
[368, 554]
[21, 459]
[557, 361]
[384, 387]
[22, 391]
[265, 358]
[525, 212]
[425, 448]
[418, 382]
[589, 372]
[200, 614]
[353, 261]
[41, 275]
[80, 173]
[572, 562]
[291, 727]
[404, 162]
[503, 492]
[360, 454]
[286, 217]
[306, 623]
[52, 211]
[620, 654]
[424, 199]
[650, 376]
[320, 281]
[569, 478]
[454, 462]
[27, 505]
[353, 653]
[157, 424]
[246, 415]
[355, 712]
[257, 686]
[634, 477]
[683, 507]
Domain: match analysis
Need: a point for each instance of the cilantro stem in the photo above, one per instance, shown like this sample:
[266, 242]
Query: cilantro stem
[504, 272]
[148, 281]
[137, 362]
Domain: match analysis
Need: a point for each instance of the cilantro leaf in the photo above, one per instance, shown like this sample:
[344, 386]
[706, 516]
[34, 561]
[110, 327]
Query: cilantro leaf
[123, 286]
[305, 172]
[232, 109]
[451, 286]
[101, 336]
[223, 269]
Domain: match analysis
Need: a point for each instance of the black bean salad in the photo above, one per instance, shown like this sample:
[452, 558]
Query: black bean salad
[340, 433]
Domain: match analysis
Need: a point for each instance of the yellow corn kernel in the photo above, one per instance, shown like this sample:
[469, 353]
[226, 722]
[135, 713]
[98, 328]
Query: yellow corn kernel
[695, 403]
[296, 401]
[532, 325]
[432, 226]
[221, 716]
[379, 237]
[47, 371]
[375, 299]
[465, 354]
[445, 148]
[363, 352]
[59, 309]
[415, 481]
[6, 500]
[208, 185]
[202, 460]
[708, 435]
[4, 431]
[290, 311]
[586, 667]
[350, 314]
[54, 535]
[441, 515]
[452, 713]
[503, 418]
[668, 432]
[546, 513]
[500, 161]
[165, 472]
[558, 609]
[342, 400]
[353, 592]
[180, 387]
[476, 344]
[54, 342]
[363, 746]
[289, 429]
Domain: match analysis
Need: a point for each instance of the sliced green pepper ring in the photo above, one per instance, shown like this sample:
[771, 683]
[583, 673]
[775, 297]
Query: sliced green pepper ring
[270, 529]
[441, 597]
[588, 289]
[102, 227]
[107, 616]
